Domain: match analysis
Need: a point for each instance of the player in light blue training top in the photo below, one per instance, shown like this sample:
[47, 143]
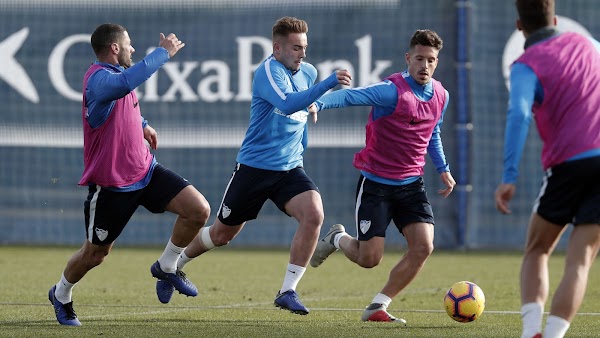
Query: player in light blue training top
[269, 164]
[277, 135]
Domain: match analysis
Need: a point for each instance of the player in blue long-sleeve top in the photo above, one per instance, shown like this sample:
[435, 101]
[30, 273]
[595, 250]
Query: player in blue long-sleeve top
[555, 82]
[526, 89]
[121, 173]
[404, 124]
[270, 163]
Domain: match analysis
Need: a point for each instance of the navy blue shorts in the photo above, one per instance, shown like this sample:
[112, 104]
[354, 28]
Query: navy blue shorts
[377, 204]
[570, 193]
[249, 188]
[107, 212]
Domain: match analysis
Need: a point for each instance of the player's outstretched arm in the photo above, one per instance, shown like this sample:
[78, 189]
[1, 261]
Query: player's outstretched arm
[277, 91]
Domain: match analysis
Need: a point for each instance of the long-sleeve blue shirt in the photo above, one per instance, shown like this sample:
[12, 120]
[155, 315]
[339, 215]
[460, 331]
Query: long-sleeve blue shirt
[111, 83]
[383, 97]
[525, 90]
[277, 135]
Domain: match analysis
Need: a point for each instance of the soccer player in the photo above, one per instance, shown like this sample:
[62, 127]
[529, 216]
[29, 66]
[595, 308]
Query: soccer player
[120, 171]
[404, 123]
[557, 81]
[270, 163]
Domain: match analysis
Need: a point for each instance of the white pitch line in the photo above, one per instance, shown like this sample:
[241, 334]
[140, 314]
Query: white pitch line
[144, 313]
[264, 306]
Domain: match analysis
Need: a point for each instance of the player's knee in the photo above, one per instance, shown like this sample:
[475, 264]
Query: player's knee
[201, 213]
[422, 251]
[314, 219]
[539, 248]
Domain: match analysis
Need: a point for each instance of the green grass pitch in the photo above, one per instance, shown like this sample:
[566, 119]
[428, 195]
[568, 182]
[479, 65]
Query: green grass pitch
[237, 288]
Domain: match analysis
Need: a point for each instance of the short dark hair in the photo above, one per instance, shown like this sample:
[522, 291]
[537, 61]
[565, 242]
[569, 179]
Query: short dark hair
[287, 25]
[105, 35]
[426, 37]
[535, 14]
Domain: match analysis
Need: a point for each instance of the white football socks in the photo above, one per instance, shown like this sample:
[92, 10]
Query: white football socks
[203, 238]
[64, 290]
[382, 299]
[293, 274]
[531, 316]
[183, 260]
[556, 327]
[168, 260]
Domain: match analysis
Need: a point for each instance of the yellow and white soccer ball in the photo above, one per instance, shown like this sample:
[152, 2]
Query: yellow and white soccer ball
[464, 302]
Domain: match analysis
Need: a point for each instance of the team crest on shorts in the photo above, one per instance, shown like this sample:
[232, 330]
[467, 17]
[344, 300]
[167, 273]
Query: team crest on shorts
[364, 226]
[225, 211]
[101, 234]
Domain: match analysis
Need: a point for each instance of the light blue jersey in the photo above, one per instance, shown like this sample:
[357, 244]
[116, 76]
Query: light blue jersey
[277, 134]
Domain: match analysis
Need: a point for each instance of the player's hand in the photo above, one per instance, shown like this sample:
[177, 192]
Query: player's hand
[151, 136]
[312, 109]
[449, 182]
[343, 77]
[504, 193]
[171, 43]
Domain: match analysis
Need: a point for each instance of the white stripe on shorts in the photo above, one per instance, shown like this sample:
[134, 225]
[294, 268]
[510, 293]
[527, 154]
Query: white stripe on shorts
[237, 167]
[542, 190]
[93, 202]
[358, 200]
